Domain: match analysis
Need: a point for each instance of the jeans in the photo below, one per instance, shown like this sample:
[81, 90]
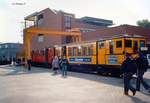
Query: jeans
[127, 85]
[29, 67]
[64, 70]
[140, 80]
[55, 70]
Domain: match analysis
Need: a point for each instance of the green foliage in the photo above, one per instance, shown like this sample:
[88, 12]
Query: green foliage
[144, 23]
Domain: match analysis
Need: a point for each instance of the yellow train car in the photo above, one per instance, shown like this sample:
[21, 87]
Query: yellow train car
[103, 55]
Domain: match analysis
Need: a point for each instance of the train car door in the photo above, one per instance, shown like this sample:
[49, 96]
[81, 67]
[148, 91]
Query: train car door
[46, 54]
[101, 52]
[111, 57]
[111, 47]
[118, 55]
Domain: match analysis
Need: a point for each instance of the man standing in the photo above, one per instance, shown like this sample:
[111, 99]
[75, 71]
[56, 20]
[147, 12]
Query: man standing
[64, 66]
[142, 64]
[29, 64]
[128, 69]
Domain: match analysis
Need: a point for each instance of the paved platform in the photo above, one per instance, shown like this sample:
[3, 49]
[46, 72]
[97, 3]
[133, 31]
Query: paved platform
[17, 85]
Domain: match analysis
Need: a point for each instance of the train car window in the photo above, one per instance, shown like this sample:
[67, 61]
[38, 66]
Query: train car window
[119, 44]
[142, 43]
[43, 53]
[74, 51]
[90, 50]
[128, 43]
[79, 51]
[70, 51]
[87, 51]
[101, 44]
[83, 50]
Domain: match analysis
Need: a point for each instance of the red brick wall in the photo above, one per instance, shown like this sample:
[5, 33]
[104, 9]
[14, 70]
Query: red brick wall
[56, 21]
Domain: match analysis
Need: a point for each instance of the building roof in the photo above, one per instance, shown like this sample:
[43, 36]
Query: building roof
[125, 29]
[95, 21]
[122, 29]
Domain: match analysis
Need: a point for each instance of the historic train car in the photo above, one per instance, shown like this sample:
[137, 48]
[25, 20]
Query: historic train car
[82, 55]
[43, 57]
[104, 55]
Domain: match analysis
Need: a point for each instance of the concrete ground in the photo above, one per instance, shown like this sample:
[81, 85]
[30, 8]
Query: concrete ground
[17, 85]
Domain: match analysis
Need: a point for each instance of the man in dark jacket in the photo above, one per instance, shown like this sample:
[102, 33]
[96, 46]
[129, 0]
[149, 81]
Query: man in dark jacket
[142, 64]
[64, 66]
[128, 69]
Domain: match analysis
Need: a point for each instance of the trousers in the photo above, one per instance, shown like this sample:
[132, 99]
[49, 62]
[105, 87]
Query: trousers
[127, 84]
[140, 80]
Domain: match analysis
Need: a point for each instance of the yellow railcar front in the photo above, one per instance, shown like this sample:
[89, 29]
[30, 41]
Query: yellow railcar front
[111, 52]
[107, 53]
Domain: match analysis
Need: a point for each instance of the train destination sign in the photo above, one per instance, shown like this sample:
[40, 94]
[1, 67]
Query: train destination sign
[112, 59]
[80, 59]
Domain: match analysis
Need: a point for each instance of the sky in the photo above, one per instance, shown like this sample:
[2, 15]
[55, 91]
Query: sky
[120, 11]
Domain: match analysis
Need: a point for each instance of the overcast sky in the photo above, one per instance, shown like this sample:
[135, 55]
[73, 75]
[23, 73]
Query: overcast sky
[120, 11]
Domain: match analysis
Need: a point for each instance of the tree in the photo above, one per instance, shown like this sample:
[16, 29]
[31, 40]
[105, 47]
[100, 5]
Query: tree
[144, 23]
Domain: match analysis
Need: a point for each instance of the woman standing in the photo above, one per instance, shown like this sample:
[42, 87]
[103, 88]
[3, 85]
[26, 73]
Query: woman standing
[55, 65]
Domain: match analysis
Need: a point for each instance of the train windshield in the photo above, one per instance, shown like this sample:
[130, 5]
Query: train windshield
[128, 43]
[142, 43]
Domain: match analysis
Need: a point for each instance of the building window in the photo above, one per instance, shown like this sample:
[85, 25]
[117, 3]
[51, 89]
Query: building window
[41, 16]
[119, 44]
[6, 46]
[12, 46]
[128, 43]
[68, 22]
[40, 38]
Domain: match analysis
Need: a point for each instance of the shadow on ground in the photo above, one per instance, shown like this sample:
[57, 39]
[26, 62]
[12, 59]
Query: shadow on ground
[19, 70]
[137, 100]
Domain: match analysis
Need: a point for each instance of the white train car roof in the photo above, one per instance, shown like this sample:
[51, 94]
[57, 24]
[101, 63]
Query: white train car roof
[101, 39]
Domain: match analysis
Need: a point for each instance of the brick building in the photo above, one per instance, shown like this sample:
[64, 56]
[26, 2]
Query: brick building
[121, 30]
[92, 28]
[62, 21]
